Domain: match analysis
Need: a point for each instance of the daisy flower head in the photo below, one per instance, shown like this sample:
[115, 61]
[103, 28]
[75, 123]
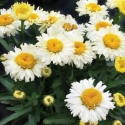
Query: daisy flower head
[69, 25]
[22, 10]
[36, 17]
[112, 4]
[55, 48]
[109, 42]
[23, 63]
[83, 53]
[90, 103]
[52, 18]
[120, 64]
[91, 7]
[119, 99]
[96, 23]
[8, 24]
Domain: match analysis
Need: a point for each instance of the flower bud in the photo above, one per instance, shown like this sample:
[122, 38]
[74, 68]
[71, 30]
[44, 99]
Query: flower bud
[46, 72]
[119, 99]
[117, 122]
[19, 95]
[48, 100]
[2, 57]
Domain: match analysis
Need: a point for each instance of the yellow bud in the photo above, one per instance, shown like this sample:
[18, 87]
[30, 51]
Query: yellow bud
[46, 72]
[48, 100]
[19, 95]
[2, 57]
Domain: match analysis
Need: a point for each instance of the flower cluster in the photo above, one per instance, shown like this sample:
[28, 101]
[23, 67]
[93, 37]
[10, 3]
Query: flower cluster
[54, 64]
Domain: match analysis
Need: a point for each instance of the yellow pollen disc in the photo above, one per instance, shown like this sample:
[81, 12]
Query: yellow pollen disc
[122, 63]
[6, 19]
[101, 24]
[33, 16]
[79, 48]
[67, 26]
[54, 45]
[25, 60]
[121, 98]
[111, 41]
[51, 20]
[74, 27]
[93, 7]
[91, 98]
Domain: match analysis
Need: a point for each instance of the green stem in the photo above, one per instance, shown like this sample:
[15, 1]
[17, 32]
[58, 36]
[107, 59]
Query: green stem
[22, 31]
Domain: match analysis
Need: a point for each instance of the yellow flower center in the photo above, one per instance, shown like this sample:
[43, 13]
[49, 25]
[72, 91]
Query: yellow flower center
[33, 16]
[51, 20]
[69, 27]
[93, 7]
[111, 41]
[79, 48]
[25, 60]
[122, 63]
[101, 24]
[54, 45]
[91, 98]
[22, 10]
[6, 19]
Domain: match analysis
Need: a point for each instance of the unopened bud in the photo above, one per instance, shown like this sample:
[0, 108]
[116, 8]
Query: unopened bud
[48, 100]
[2, 57]
[46, 72]
[19, 95]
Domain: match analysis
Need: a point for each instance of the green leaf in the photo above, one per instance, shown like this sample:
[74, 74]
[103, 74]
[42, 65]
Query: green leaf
[5, 44]
[37, 115]
[6, 96]
[9, 85]
[65, 118]
[31, 119]
[14, 116]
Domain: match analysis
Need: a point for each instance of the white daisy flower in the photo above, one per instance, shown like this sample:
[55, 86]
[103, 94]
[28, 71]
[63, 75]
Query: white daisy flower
[69, 25]
[112, 4]
[24, 63]
[55, 48]
[90, 103]
[96, 23]
[109, 42]
[53, 18]
[8, 24]
[91, 7]
[36, 17]
[83, 53]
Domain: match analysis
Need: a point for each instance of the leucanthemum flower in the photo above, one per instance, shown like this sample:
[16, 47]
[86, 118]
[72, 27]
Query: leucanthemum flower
[119, 99]
[120, 64]
[91, 7]
[55, 48]
[8, 24]
[23, 63]
[22, 10]
[117, 122]
[83, 53]
[69, 25]
[109, 42]
[53, 18]
[112, 4]
[90, 103]
[36, 17]
[96, 23]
